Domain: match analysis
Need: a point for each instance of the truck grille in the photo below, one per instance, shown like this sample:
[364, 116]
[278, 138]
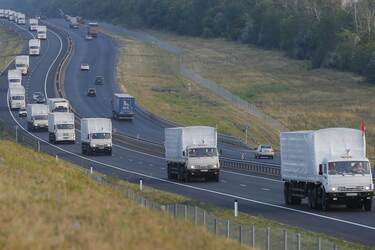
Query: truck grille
[351, 189]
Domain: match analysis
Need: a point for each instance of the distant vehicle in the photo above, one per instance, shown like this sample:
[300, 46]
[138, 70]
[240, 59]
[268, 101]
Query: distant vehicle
[61, 127]
[38, 97]
[21, 19]
[42, 32]
[327, 166]
[85, 67]
[91, 92]
[22, 113]
[123, 106]
[16, 93]
[34, 23]
[22, 63]
[96, 136]
[73, 23]
[88, 37]
[14, 77]
[99, 80]
[58, 105]
[264, 151]
[93, 29]
[34, 47]
[192, 151]
[2, 13]
[37, 116]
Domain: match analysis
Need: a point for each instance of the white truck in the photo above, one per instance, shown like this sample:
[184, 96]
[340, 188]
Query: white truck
[34, 23]
[11, 15]
[16, 95]
[14, 77]
[58, 105]
[42, 32]
[34, 47]
[22, 63]
[96, 136]
[37, 117]
[327, 166]
[192, 151]
[2, 13]
[21, 19]
[61, 127]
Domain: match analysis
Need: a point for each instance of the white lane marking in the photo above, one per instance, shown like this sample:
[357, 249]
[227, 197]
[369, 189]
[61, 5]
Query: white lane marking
[266, 189]
[252, 176]
[188, 186]
[243, 185]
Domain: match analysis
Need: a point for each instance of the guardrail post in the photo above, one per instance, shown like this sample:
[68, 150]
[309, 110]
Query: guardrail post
[204, 217]
[298, 241]
[235, 208]
[319, 243]
[16, 134]
[185, 212]
[38, 146]
[57, 158]
[285, 240]
[195, 215]
[252, 236]
[91, 170]
[268, 238]
[240, 236]
[228, 229]
[140, 184]
[215, 226]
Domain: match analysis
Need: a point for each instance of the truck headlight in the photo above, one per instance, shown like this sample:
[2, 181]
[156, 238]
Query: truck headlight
[192, 167]
[367, 188]
[333, 189]
[93, 145]
[214, 166]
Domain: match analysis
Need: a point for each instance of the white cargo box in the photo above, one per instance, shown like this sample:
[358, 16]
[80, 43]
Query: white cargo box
[303, 151]
[58, 119]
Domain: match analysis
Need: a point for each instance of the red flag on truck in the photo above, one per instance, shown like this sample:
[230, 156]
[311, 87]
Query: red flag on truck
[363, 127]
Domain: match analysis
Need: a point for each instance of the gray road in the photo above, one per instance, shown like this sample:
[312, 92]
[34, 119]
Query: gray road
[256, 195]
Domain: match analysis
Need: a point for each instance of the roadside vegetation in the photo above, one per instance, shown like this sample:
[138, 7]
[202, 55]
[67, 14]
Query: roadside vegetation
[10, 44]
[49, 205]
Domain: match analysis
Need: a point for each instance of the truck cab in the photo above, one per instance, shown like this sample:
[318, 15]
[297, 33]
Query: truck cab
[96, 136]
[16, 95]
[22, 64]
[37, 117]
[61, 127]
[14, 77]
[33, 24]
[201, 159]
[58, 105]
[34, 47]
[42, 32]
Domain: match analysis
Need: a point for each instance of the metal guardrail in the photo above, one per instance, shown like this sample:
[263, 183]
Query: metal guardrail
[251, 166]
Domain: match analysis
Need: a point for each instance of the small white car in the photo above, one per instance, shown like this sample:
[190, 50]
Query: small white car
[88, 37]
[264, 151]
[22, 113]
[85, 66]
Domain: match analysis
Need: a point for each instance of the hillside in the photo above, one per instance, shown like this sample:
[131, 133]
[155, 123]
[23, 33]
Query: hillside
[10, 43]
[49, 205]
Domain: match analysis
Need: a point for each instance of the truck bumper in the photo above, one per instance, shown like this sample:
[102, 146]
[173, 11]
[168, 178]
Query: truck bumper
[203, 172]
[101, 149]
[123, 116]
[343, 198]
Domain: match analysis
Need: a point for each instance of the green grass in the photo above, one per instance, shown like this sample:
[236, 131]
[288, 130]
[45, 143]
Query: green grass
[11, 44]
[53, 205]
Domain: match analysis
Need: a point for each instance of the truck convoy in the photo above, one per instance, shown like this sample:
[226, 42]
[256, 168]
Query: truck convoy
[123, 106]
[22, 63]
[58, 105]
[192, 151]
[34, 23]
[61, 127]
[16, 95]
[14, 77]
[93, 29]
[42, 32]
[96, 136]
[327, 166]
[37, 117]
[34, 47]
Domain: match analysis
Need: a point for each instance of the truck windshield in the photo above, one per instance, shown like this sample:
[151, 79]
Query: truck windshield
[348, 167]
[65, 126]
[41, 117]
[19, 97]
[20, 65]
[61, 109]
[101, 136]
[202, 152]
[15, 80]
[34, 47]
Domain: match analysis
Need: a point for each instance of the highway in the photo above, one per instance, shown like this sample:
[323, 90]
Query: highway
[256, 195]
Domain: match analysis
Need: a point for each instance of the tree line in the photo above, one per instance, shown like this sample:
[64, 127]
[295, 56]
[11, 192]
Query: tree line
[330, 33]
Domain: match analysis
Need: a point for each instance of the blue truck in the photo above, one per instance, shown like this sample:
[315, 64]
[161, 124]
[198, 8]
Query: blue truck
[123, 106]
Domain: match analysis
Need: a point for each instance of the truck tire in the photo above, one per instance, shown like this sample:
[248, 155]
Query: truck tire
[310, 197]
[84, 151]
[367, 204]
[325, 201]
[109, 153]
[170, 176]
[52, 138]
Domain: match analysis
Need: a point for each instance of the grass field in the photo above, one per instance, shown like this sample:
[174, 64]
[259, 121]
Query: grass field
[289, 90]
[152, 75]
[10, 44]
[49, 205]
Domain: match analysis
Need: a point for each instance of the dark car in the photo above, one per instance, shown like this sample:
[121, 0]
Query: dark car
[38, 97]
[22, 113]
[99, 80]
[91, 92]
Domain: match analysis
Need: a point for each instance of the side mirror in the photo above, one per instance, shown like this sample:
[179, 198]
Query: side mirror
[320, 169]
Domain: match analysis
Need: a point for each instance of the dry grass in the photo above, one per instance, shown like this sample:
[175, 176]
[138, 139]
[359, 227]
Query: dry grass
[10, 44]
[45, 205]
[152, 75]
[286, 89]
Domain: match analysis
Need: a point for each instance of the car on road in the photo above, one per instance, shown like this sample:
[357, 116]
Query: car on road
[99, 80]
[38, 97]
[264, 151]
[91, 92]
[85, 66]
[88, 37]
[22, 113]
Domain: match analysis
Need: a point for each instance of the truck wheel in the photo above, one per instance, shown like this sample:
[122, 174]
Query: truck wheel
[84, 152]
[325, 202]
[310, 198]
[109, 152]
[368, 205]
[170, 176]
